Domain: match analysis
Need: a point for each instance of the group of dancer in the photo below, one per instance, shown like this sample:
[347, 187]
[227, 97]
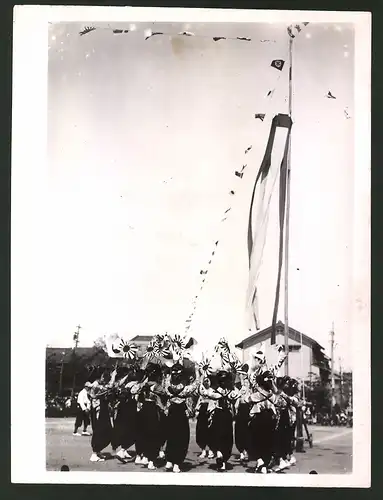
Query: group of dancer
[147, 405]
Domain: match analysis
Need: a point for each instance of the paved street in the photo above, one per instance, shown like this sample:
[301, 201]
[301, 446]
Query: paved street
[331, 453]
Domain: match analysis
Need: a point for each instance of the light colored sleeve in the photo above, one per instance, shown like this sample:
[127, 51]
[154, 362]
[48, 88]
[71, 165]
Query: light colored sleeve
[138, 386]
[79, 398]
[281, 359]
[158, 389]
[234, 394]
[131, 384]
[209, 393]
[189, 390]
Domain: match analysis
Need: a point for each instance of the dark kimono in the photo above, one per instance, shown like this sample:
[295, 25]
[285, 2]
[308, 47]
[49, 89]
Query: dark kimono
[178, 428]
[100, 418]
[150, 421]
[221, 411]
[242, 417]
[262, 425]
[125, 421]
[202, 427]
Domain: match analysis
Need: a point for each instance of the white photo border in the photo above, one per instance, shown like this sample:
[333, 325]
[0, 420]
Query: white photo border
[28, 213]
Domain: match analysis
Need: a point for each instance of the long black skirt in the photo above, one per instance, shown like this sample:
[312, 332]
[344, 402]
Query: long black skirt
[149, 423]
[125, 425]
[202, 428]
[291, 440]
[282, 435]
[178, 434]
[163, 428]
[262, 429]
[222, 432]
[101, 427]
[140, 433]
[241, 432]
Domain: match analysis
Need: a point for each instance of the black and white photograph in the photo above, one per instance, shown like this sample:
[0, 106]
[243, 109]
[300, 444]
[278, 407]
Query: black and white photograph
[190, 246]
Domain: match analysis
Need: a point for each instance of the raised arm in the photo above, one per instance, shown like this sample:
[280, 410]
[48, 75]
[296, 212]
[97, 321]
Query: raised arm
[281, 359]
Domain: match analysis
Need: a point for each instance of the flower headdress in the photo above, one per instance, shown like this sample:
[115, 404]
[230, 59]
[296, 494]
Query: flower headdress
[205, 366]
[149, 355]
[150, 350]
[128, 350]
[162, 346]
[222, 347]
[178, 344]
[232, 363]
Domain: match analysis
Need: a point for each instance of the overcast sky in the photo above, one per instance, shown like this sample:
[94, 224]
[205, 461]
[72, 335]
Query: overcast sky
[144, 138]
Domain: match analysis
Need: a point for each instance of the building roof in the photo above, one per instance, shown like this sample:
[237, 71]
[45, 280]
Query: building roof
[148, 338]
[266, 333]
[65, 353]
[142, 338]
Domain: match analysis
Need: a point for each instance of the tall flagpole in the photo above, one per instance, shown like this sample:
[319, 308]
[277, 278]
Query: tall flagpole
[287, 221]
[299, 447]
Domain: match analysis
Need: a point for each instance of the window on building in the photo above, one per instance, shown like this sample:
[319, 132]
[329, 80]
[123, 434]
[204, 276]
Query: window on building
[293, 348]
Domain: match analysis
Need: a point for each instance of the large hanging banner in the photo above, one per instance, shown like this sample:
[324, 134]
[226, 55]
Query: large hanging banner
[266, 180]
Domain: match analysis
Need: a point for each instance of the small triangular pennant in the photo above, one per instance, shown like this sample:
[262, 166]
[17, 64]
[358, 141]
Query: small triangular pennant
[278, 64]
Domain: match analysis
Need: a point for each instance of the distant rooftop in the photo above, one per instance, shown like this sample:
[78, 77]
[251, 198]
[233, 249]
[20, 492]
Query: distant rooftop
[142, 338]
[266, 333]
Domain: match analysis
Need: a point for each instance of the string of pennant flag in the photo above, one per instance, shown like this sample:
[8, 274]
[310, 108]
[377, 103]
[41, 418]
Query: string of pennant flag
[148, 33]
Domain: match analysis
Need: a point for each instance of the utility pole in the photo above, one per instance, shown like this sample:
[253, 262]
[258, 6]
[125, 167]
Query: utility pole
[76, 338]
[341, 383]
[332, 334]
[61, 373]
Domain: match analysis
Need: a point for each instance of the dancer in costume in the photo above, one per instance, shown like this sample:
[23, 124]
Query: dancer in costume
[242, 417]
[100, 415]
[292, 391]
[125, 423]
[257, 367]
[283, 428]
[178, 390]
[263, 421]
[163, 413]
[223, 416]
[149, 418]
[138, 396]
[222, 396]
[202, 427]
